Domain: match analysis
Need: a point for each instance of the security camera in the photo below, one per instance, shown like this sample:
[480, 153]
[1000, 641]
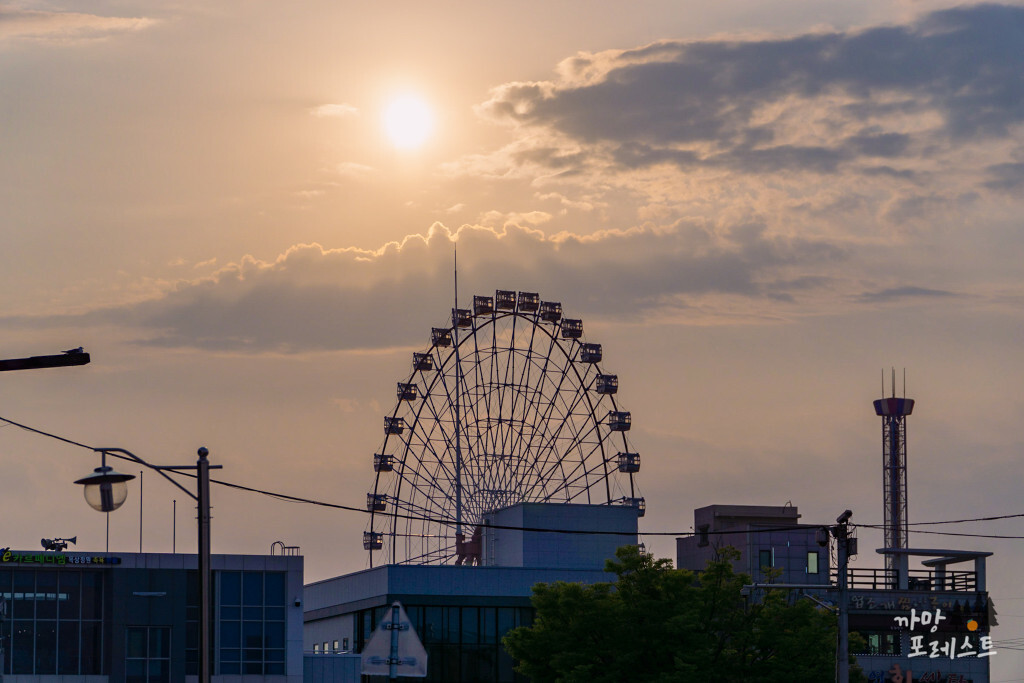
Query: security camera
[845, 517]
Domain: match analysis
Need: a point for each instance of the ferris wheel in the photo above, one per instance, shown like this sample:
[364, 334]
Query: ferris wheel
[508, 405]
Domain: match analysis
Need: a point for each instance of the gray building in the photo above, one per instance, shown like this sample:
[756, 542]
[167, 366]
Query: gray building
[766, 536]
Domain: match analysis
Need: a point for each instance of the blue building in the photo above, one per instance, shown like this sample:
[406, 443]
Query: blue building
[461, 612]
[134, 617]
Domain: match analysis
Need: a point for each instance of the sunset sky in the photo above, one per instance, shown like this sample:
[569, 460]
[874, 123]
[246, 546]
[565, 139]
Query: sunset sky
[757, 208]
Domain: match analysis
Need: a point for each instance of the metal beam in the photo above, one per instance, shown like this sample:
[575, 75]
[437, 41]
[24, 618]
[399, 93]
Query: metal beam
[37, 362]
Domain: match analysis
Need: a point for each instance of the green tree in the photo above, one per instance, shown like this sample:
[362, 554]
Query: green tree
[664, 625]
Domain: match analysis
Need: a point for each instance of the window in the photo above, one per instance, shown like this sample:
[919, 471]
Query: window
[53, 622]
[462, 643]
[812, 562]
[335, 646]
[147, 654]
[764, 559]
[880, 643]
[252, 626]
[316, 648]
[344, 644]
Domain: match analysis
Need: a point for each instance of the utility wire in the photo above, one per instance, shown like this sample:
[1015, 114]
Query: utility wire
[42, 433]
[949, 533]
[452, 522]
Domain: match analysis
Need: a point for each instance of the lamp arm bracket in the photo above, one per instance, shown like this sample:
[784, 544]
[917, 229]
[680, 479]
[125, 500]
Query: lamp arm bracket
[159, 470]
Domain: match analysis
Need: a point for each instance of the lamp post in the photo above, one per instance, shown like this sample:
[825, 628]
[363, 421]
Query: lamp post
[105, 490]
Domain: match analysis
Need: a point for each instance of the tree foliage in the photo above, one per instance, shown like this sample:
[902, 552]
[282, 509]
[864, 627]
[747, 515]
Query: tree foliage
[663, 625]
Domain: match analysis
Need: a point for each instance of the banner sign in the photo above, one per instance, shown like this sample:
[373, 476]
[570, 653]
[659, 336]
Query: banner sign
[7, 556]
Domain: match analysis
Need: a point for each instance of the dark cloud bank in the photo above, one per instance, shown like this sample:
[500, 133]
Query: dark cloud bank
[703, 103]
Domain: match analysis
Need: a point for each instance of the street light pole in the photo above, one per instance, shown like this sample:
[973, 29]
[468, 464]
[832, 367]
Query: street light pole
[99, 495]
[203, 499]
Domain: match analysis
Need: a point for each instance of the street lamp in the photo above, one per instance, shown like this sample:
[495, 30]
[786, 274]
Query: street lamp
[106, 490]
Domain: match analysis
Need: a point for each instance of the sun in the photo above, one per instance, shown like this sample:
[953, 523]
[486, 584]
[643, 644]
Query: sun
[408, 122]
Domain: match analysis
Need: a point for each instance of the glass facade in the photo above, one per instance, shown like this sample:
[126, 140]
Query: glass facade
[147, 654]
[463, 643]
[54, 623]
[251, 614]
[140, 623]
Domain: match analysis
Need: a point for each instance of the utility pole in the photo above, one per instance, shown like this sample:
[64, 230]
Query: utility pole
[841, 531]
[846, 547]
[203, 499]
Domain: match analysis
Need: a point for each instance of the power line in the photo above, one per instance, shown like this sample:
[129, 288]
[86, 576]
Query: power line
[959, 521]
[950, 533]
[451, 522]
[42, 433]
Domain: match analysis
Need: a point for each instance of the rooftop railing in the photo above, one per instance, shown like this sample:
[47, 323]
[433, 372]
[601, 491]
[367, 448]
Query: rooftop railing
[917, 579]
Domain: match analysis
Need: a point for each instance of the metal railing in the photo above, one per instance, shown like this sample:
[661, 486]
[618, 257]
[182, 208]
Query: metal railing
[917, 579]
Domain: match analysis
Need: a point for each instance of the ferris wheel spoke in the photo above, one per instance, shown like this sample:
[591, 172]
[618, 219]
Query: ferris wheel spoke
[591, 408]
[570, 471]
[524, 437]
[532, 409]
[420, 471]
[435, 430]
[580, 476]
[550, 395]
[436, 556]
[420, 512]
[428, 465]
[521, 382]
[578, 435]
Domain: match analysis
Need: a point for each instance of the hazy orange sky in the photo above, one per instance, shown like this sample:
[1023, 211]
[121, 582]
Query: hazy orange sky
[756, 209]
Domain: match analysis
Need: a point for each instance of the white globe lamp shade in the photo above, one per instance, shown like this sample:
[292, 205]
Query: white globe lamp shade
[105, 490]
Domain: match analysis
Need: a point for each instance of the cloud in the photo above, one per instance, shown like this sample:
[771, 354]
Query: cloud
[1008, 177]
[822, 103]
[902, 293]
[351, 169]
[335, 110]
[65, 27]
[312, 298]
[497, 218]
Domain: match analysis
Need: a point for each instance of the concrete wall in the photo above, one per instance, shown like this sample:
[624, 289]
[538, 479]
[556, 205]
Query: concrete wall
[519, 547]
